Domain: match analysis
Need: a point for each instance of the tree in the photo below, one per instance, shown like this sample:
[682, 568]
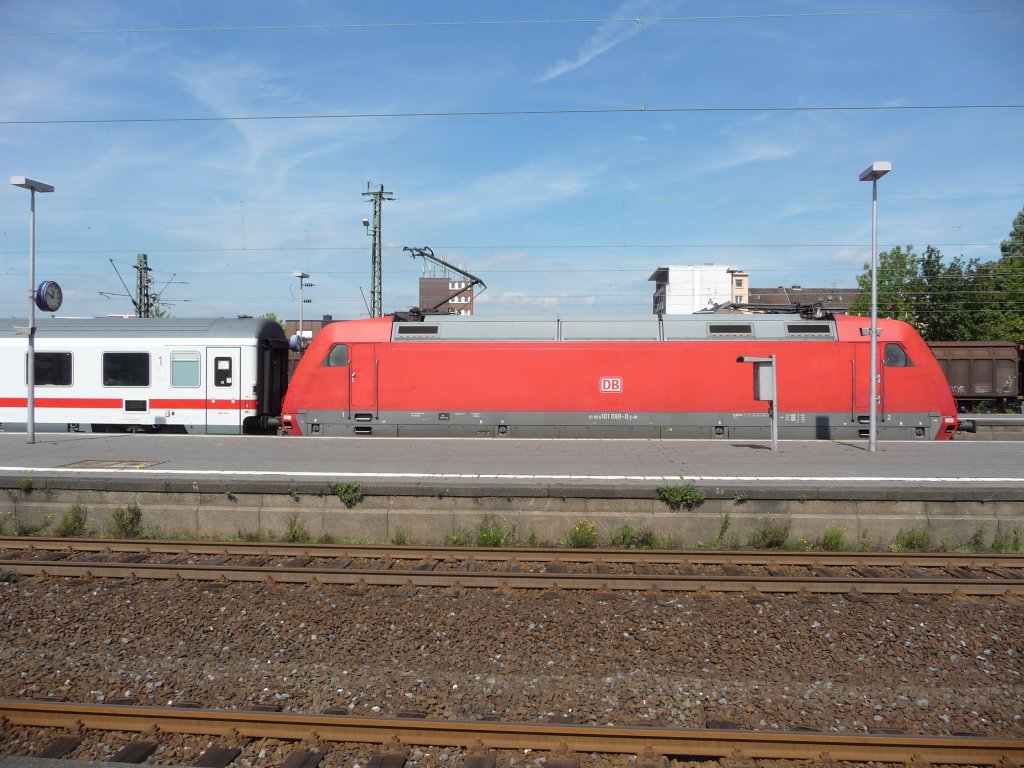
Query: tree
[949, 302]
[1007, 275]
[273, 316]
[959, 301]
[899, 284]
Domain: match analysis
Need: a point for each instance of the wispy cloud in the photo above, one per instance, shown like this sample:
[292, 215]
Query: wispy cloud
[608, 36]
[538, 182]
[523, 299]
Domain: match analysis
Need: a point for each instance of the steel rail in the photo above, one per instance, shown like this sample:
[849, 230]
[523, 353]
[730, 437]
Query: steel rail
[509, 580]
[475, 735]
[523, 554]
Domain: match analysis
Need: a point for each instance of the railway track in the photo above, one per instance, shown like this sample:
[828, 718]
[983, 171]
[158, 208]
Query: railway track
[462, 568]
[652, 746]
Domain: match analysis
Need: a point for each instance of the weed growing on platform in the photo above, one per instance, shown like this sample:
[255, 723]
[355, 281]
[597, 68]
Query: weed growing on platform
[126, 522]
[251, 536]
[296, 532]
[723, 528]
[582, 535]
[350, 494]
[834, 539]
[628, 537]
[72, 523]
[23, 528]
[25, 485]
[491, 533]
[677, 496]
[911, 540]
[401, 538]
[457, 538]
[770, 533]
[1007, 543]
[976, 542]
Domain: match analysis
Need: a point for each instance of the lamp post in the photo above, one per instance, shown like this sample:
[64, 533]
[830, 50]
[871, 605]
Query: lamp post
[30, 412]
[301, 343]
[873, 173]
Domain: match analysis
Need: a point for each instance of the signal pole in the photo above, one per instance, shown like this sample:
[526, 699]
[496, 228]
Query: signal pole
[376, 263]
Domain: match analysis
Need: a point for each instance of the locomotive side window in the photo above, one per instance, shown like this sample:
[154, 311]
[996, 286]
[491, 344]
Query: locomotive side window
[184, 369]
[730, 329]
[337, 357]
[896, 357]
[126, 369]
[52, 369]
[222, 375]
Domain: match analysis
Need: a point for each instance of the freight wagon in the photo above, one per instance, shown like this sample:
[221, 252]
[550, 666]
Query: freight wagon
[982, 374]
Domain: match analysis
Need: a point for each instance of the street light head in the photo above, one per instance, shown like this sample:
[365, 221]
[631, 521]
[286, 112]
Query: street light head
[876, 170]
[26, 183]
[366, 222]
[300, 275]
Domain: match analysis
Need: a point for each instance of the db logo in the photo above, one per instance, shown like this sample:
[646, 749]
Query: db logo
[611, 383]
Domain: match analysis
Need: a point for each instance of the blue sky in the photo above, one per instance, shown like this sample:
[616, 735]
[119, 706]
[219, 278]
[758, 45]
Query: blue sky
[607, 138]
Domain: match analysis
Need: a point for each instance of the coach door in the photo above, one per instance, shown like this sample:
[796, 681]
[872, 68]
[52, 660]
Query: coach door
[223, 390]
[363, 382]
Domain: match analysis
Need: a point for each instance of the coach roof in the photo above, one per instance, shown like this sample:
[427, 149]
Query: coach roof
[147, 327]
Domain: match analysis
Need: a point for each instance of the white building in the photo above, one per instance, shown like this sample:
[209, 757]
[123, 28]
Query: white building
[683, 290]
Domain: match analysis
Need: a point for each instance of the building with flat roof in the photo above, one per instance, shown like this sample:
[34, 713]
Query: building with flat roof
[685, 289]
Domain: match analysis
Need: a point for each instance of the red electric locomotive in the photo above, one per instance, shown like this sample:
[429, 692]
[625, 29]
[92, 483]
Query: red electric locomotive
[642, 377]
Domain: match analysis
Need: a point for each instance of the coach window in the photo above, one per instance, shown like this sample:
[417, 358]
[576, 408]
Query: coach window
[53, 369]
[222, 375]
[126, 369]
[184, 369]
[896, 357]
[337, 357]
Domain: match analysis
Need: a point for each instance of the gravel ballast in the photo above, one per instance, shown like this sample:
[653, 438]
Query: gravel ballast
[923, 666]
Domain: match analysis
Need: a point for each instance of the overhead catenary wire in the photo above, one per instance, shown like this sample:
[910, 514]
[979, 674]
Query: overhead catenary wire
[520, 113]
[506, 22]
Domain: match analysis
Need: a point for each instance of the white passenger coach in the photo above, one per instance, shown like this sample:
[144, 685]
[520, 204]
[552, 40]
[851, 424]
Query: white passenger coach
[186, 375]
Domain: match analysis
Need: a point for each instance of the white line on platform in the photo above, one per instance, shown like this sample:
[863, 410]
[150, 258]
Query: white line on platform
[487, 476]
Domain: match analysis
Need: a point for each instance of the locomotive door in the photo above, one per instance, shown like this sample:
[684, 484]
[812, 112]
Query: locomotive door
[862, 378]
[223, 390]
[362, 381]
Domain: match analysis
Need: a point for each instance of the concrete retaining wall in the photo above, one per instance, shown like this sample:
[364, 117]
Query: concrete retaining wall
[540, 514]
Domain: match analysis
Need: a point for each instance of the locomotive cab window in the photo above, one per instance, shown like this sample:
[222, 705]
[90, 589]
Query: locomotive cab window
[222, 372]
[896, 357]
[53, 369]
[184, 369]
[125, 369]
[337, 357]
